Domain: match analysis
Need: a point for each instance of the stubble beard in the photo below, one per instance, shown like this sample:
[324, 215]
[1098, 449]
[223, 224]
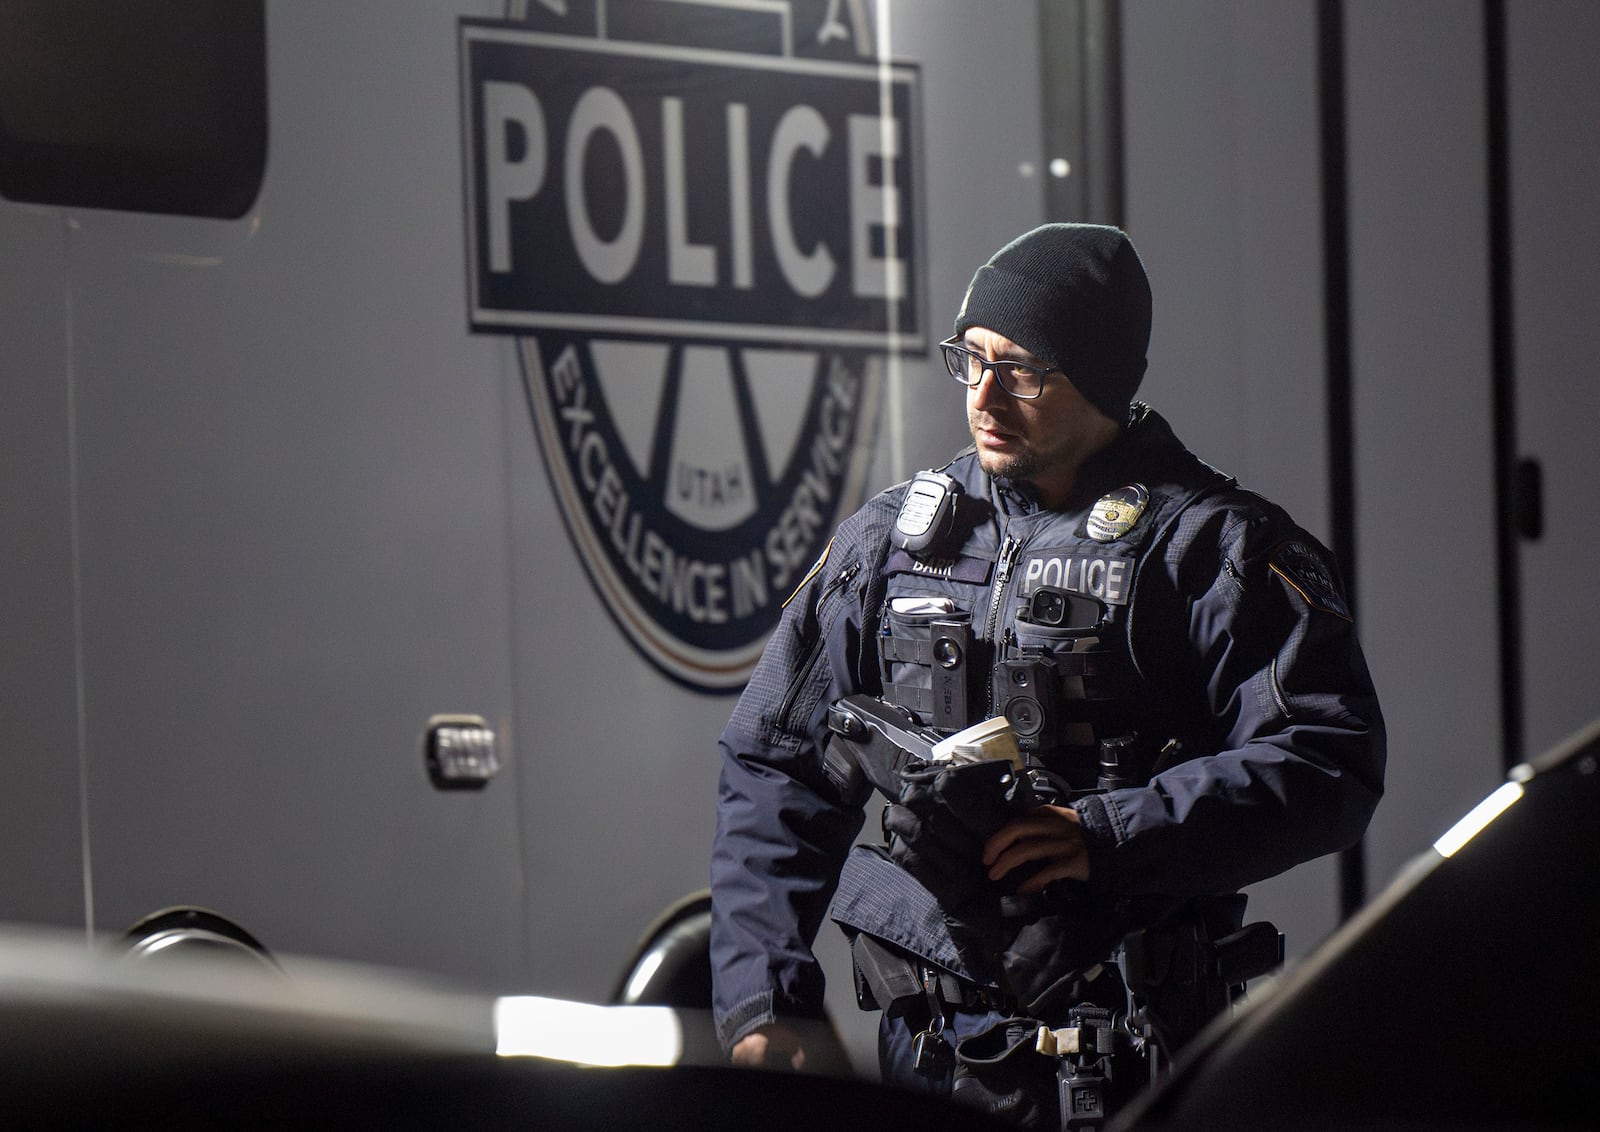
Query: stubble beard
[1015, 466]
[1021, 465]
[1031, 462]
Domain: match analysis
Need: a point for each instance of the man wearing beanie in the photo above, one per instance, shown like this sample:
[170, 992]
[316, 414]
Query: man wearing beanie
[1179, 709]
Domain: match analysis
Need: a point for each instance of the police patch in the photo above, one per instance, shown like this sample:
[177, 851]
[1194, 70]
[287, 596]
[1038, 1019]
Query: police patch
[1115, 513]
[1108, 579]
[822, 560]
[1304, 569]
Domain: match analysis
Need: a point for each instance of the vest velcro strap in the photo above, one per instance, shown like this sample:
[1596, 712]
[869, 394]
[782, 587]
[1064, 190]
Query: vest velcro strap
[919, 700]
[906, 650]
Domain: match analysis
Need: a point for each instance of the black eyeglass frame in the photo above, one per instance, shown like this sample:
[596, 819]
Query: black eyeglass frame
[1005, 370]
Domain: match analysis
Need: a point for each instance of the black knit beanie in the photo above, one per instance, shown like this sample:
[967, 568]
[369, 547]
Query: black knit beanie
[1073, 295]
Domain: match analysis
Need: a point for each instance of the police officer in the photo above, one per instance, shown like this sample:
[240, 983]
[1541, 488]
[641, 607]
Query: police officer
[1176, 655]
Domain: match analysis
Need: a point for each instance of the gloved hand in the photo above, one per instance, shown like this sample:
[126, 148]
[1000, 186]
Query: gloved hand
[941, 821]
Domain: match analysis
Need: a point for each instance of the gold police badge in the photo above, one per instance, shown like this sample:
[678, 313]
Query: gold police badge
[1114, 515]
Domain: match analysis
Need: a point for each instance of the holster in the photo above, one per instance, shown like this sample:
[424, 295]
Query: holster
[886, 978]
[1188, 969]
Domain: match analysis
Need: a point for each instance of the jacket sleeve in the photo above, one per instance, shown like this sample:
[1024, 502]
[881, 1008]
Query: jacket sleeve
[1284, 751]
[783, 829]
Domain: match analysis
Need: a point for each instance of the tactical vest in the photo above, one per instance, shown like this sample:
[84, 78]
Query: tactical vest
[1030, 618]
[1030, 613]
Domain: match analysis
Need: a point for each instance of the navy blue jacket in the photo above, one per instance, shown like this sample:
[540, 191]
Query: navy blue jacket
[1244, 658]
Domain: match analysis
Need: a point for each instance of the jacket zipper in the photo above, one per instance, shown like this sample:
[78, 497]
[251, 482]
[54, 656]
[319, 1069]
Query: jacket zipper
[840, 580]
[1277, 690]
[1009, 546]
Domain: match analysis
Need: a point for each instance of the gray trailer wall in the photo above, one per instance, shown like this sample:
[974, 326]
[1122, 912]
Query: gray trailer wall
[1223, 188]
[268, 505]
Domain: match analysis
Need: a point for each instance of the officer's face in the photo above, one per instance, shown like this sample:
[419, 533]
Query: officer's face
[1043, 440]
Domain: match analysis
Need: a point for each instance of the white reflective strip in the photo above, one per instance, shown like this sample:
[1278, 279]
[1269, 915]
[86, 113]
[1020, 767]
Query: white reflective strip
[587, 1034]
[1477, 818]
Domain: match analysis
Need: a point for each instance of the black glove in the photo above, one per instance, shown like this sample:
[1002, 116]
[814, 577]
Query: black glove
[999, 1072]
[941, 821]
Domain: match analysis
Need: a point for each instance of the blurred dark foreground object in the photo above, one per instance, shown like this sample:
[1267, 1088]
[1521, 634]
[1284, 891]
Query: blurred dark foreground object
[1466, 996]
[89, 1038]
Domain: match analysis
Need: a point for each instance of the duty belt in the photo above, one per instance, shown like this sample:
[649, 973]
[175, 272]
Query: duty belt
[963, 995]
[893, 980]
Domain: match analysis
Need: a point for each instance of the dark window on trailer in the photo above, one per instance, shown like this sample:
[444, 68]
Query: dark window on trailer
[154, 106]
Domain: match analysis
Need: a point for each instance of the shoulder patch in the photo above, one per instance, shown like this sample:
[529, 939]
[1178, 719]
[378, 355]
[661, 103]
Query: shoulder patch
[1304, 569]
[822, 560]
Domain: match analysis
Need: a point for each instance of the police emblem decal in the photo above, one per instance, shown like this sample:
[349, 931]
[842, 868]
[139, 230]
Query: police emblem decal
[704, 257]
[693, 535]
[1115, 513]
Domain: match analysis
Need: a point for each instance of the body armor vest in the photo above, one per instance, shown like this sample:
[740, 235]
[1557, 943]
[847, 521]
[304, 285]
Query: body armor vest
[1029, 613]
[1029, 617]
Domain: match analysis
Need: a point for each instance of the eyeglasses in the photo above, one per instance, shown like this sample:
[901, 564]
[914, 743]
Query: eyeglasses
[1019, 379]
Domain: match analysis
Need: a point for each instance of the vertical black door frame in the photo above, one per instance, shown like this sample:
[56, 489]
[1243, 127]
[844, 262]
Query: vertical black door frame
[1336, 332]
[1081, 110]
[1516, 505]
